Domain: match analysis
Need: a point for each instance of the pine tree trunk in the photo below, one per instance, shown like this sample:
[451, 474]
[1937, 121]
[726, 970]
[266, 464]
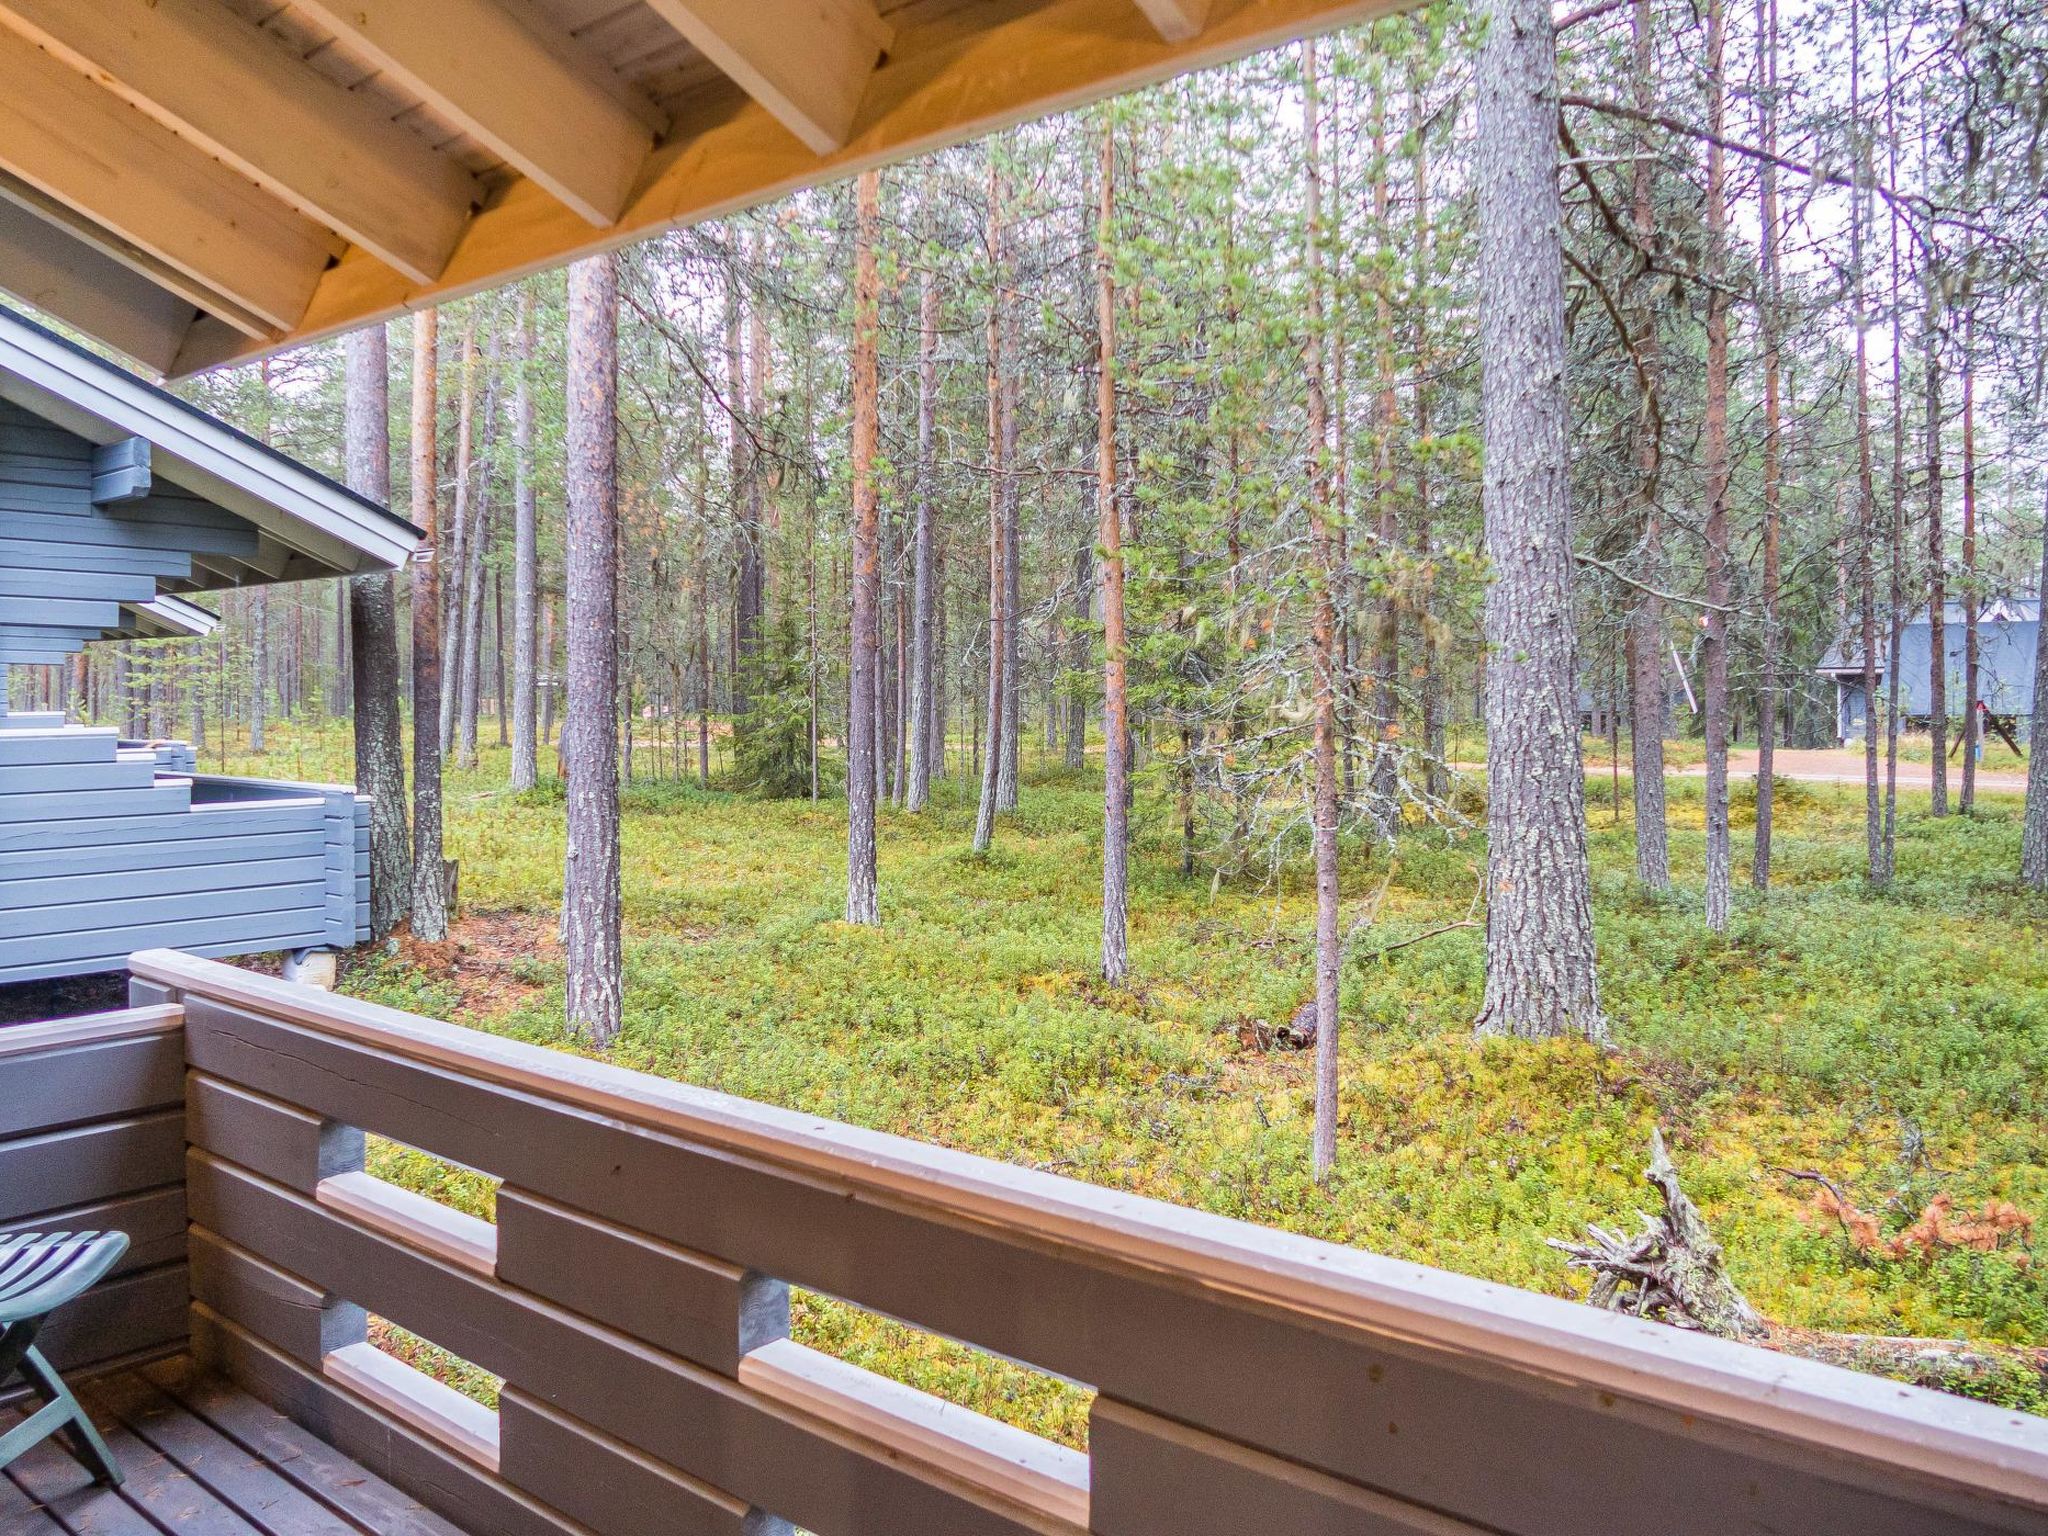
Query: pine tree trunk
[1011, 735]
[1435, 712]
[1937, 573]
[590, 886]
[429, 863]
[525, 556]
[998, 584]
[1646, 639]
[1714, 685]
[1540, 976]
[2034, 826]
[864, 664]
[1325, 658]
[1973, 717]
[1768, 702]
[1116, 836]
[748, 582]
[918, 727]
[455, 579]
[1866, 494]
[1077, 654]
[373, 637]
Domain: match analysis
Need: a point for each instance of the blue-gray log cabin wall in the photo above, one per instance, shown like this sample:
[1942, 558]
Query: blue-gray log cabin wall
[102, 855]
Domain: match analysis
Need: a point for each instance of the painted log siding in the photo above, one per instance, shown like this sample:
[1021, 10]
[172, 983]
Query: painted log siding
[106, 849]
[92, 1137]
[1250, 1381]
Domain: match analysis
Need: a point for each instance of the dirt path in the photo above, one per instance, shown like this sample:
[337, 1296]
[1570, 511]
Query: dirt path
[1839, 766]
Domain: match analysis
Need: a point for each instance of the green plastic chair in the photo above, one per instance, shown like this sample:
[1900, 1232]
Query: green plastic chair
[39, 1272]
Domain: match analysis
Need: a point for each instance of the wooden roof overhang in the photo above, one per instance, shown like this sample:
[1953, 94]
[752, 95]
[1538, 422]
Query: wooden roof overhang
[197, 182]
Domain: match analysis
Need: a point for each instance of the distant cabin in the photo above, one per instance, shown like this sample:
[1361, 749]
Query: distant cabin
[2008, 630]
[119, 503]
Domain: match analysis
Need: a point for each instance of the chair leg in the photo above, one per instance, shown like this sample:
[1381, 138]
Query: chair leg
[87, 1445]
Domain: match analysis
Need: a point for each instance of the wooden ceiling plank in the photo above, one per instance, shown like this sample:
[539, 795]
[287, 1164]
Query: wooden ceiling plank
[43, 265]
[528, 95]
[967, 71]
[1177, 21]
[85, 148]
[241, 95]
[806, 61]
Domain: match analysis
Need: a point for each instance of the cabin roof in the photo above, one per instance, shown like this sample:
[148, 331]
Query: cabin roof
[195, 182]
[333, 529]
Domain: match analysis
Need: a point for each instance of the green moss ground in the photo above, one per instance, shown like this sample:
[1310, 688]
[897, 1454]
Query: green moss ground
[1897, 1044]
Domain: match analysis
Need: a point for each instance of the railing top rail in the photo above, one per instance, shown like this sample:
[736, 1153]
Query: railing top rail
[88, 1029]
[1826, 1408]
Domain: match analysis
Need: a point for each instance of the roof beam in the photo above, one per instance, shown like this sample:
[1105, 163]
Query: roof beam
[245, 98]
[806, 61]
[1177, 21]
[527, 93]
[952, 73]
[132, 177]
[42, 265]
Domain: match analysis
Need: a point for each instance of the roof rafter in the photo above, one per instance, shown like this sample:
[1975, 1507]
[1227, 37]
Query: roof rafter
[533, 98]
[806, 61]
[242, 96]
[43, 265]
[131, 177]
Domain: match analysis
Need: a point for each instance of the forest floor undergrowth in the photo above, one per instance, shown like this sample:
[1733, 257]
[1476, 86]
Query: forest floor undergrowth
[1895, 1044]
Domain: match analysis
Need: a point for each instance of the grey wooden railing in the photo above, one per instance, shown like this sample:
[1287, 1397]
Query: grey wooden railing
[632, 1298]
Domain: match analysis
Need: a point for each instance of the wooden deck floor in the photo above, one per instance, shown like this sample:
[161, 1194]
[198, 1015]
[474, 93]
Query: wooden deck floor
[202, 1458]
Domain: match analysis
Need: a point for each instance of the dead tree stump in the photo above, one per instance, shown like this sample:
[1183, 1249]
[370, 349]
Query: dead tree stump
[1671, 1270]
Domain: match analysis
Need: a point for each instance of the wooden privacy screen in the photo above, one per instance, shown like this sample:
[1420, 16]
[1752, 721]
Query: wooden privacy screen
[632, 1299]
[92, 1138]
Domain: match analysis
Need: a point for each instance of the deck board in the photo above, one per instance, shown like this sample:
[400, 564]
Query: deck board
[202, 1458]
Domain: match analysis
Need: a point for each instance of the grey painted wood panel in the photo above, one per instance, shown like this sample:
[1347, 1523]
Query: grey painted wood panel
[71, 1167]
[93, 918]
[700, 1308]
[164, 855]
[609, 1487]
[1491, 1444]
[283, 1143]
[300, 1319]
[1153, 1477]
[153, 1220]
[49, 1089]
[147, 878]
[162, 799]
[109, 948]
[122, 830]
[123, 1319]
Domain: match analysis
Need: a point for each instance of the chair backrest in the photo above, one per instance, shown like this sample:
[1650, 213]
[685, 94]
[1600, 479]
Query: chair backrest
[40, 1271]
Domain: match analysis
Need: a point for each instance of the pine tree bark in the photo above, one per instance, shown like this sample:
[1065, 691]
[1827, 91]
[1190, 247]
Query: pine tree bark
[1714, 686]
[1769, 701]
[1116, 837]
[1866, 493]
[991, 761]
[590, 886]
[864, 665]
[429, 863]
[1012, 733]
[373, 637]
[1325, 658]
[1540, 975]
[2034, 824]
[923, 620]
[1937, 569]
[455, 579]
[1646, 639]
[746, 469]
[525, 556]
[1973, 717]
